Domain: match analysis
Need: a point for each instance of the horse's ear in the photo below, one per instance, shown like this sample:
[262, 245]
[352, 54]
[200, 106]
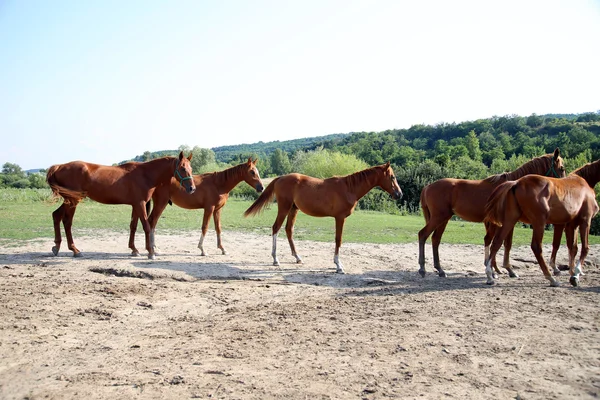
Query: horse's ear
[181, 155]
[387, 164]
[190, 156]
[556, 153]
[249, 160]
[255, 160]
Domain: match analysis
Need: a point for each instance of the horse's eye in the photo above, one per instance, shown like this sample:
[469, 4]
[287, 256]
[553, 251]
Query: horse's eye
[252, 173]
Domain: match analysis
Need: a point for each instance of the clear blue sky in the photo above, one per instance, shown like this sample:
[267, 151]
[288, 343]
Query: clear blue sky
[103, 81]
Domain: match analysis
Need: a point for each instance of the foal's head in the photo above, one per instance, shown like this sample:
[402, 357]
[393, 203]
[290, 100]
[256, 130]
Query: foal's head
[557, 168]
[251, 176]
[388, 182]
[183, 173]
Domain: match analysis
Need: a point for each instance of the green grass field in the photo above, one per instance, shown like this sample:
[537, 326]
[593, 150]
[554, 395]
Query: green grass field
[27, 214]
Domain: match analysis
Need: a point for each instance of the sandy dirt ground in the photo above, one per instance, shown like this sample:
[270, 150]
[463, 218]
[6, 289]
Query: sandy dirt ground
[111, 326]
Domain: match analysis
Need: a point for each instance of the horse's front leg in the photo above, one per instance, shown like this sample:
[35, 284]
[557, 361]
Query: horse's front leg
[490, 232]
[289, 231]
[217, 220]
[499, 237]
[140, 210]
[339, 228]
[208, 211]
[281, 214]
[132, 229]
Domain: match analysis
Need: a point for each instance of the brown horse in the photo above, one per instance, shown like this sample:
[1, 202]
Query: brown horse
[333, 197]
[466, 198]
[212, 192]
[538, 200]
[131, 183]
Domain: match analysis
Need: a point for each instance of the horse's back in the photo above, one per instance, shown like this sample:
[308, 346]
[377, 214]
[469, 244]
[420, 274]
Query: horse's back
[463, 197]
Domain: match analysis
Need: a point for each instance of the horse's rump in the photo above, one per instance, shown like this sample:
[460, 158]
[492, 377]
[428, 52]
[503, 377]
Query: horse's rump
[496, 205]
[69, 195]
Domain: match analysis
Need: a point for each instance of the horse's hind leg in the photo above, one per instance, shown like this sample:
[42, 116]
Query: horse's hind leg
[435, 244]
[289, 231]
[507, 247]
[557, 235]
[283, 208]
[536, 247]
[430, 226]
[57, 217]
[132, 229]
[68, 223]
[490, 231]
[584, 229]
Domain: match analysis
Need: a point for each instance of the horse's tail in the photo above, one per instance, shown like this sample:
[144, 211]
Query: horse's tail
[495, 208]
[69, 195]
[265, 197]
[424, 206]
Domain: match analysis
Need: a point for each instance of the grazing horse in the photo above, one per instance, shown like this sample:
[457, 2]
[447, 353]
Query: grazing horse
[466, 198]
[212, 192]
[538, 200]
[131, 183]
[333, 197]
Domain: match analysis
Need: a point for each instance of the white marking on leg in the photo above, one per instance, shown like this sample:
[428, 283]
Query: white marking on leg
[274, 251]
[338, 263]
[577, 269]
[298, 259]
[489, 273]
[200, 245]
[486, 253]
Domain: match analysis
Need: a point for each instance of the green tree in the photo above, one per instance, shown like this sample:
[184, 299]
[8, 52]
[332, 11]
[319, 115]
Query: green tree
[472, 145]
[280, 162]
[322, 163]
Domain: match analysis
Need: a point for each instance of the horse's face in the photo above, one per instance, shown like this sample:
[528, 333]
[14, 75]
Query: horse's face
[559, 166]
[251, 175]
[183, 173]
[389, 183]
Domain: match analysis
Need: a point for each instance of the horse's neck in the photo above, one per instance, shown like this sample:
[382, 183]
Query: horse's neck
[361, 185]
[229, 178]
[160, 169]
[526, 170]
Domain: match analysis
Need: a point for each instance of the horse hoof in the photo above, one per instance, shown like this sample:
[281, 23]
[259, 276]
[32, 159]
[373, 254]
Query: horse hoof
[78, 255]
[513, 275]
[555, 284]
[203, 254]
[135, 254]
[495, 276]
[557, 272]
[422, 273]
[55, 250]
[442, 274]
[490, 283]
[151, 257]
[224, 253]
[340, 271]
[276, 263]
[574, 281]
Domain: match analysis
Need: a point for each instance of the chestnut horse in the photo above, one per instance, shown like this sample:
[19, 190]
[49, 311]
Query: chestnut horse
[212, 192]
[466, 199]
[569, 203]
[333, 197]
[131, 183]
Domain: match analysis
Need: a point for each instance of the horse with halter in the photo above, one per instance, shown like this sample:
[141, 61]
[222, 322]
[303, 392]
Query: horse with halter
[465, 198]
[569, 203]
[212, 192]
[332, 197]
[131, 183]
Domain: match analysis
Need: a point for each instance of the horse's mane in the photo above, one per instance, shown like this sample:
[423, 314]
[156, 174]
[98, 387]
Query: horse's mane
[529, 167]
[228, 174]
[360, 177]
[590, 172]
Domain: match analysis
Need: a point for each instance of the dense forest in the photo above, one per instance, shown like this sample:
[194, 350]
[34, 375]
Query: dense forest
[420, 154]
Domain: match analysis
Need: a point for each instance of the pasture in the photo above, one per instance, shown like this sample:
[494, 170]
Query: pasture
[108, 326]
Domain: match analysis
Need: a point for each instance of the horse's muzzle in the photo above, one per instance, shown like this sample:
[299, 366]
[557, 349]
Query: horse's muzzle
[190, 189]
[397, 194]
[259, 187]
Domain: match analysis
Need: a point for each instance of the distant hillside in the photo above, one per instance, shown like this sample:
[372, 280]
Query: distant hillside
[227, 153]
